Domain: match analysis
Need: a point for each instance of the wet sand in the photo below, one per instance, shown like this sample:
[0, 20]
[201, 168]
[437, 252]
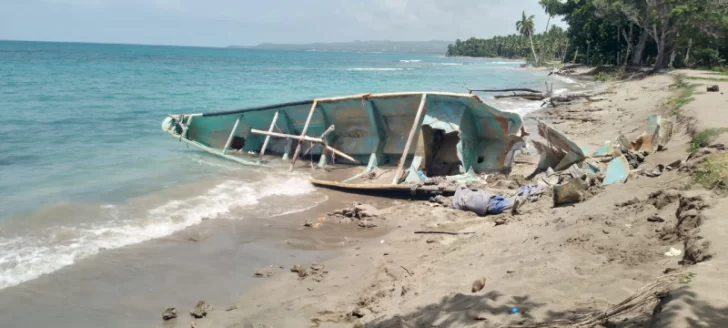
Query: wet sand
[214, 261]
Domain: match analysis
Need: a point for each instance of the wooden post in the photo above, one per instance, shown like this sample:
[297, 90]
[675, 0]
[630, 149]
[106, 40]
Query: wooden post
[412, 133]
[267, 138]
[232, 134]
[375, 120]
[303, 133]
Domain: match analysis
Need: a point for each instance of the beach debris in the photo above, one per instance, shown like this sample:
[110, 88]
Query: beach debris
[480, 316]
[357, 211]
[441, 200]
[649, 295]
[169, 314]
[231, 308]
[315, 225]
[657, 133]
[674, 165]
[713, 88]
[358, 313]
[605, 150]
[484, 202]
[559, 152]
[478, 285]
[443, 232]
[655, 218]
[673, 252]
[409, 273]
[515, 310]
[367, 224]
[617, 170]
[500, 221]
[262, 274]
[656, 172]
[315, 271]
[574, 191]
[200, 310]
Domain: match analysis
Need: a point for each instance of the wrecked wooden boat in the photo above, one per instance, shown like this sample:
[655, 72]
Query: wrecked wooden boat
[401, 138]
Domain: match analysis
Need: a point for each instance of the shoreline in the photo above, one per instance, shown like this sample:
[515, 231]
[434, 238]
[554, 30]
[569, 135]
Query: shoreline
[546, 261]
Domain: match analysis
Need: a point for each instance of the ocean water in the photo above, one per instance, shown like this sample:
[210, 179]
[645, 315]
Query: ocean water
[85, 167]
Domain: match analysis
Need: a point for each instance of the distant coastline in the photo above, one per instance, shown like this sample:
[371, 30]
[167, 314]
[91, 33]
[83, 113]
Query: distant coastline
[429, 47]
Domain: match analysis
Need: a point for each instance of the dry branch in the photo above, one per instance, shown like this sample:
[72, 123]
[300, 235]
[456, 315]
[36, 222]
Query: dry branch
[647, 296]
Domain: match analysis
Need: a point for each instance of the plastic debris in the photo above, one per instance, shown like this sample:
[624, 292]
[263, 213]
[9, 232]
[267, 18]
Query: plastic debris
[673, 252]
[617, 170]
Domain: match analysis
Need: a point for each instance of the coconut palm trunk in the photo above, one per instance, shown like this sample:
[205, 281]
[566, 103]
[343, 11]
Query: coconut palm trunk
[533, 49]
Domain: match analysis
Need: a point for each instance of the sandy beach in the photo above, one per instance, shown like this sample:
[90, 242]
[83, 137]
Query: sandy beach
[540, 265]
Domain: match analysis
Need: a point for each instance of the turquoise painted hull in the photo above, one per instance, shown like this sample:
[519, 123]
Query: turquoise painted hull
[372, 128]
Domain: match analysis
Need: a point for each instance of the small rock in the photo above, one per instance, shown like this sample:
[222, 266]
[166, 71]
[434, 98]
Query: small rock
[605, 231]
[385, 254]
[310, 289]
[357, 313]
[655, 218]
[232, 308]
[480, 316]
[431, 241]
[169, 314]
[669, 270]
[366, 224]
[405, 289]
[478, 285]
[200, 310]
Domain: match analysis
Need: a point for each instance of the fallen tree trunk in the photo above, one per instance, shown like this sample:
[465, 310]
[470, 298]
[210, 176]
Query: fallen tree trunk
[527, 96]
[505, 90]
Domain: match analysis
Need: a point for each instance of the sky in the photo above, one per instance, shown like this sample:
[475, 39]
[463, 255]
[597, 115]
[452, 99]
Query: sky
[246, 22]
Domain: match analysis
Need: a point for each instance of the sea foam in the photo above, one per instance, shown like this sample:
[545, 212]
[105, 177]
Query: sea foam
[28, 257]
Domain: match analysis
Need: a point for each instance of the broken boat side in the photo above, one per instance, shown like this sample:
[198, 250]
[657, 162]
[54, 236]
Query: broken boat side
[433, 133]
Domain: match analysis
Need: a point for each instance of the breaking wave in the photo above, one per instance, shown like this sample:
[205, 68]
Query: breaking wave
[376, 69]
[27, 257]
[409, 60]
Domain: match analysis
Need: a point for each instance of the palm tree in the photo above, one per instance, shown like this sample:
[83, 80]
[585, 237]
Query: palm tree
[545, 5]
[525, 26]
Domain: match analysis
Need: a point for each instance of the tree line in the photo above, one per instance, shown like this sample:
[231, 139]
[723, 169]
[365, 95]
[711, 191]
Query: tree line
[660, 33]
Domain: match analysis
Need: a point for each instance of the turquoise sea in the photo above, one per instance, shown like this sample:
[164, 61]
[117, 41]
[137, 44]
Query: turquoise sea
[85, 167]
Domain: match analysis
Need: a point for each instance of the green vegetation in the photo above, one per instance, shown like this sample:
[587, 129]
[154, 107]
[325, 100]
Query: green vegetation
[684, 95]
[705, 137]
[552, 45]
[687, 277]
[660, 33]
[713, 173]
[713, 79]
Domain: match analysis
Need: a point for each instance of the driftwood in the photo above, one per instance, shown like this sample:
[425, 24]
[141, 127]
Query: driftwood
[527, 96]
[506, 90]
[647, 296]
[443, 233]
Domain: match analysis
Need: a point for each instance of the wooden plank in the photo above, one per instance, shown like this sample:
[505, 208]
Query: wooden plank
[303, 133]
[232, 134]
[375, 120]
[286, 122]
[267, 138]
[380, 186]
[412, 133]
[307, 138]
